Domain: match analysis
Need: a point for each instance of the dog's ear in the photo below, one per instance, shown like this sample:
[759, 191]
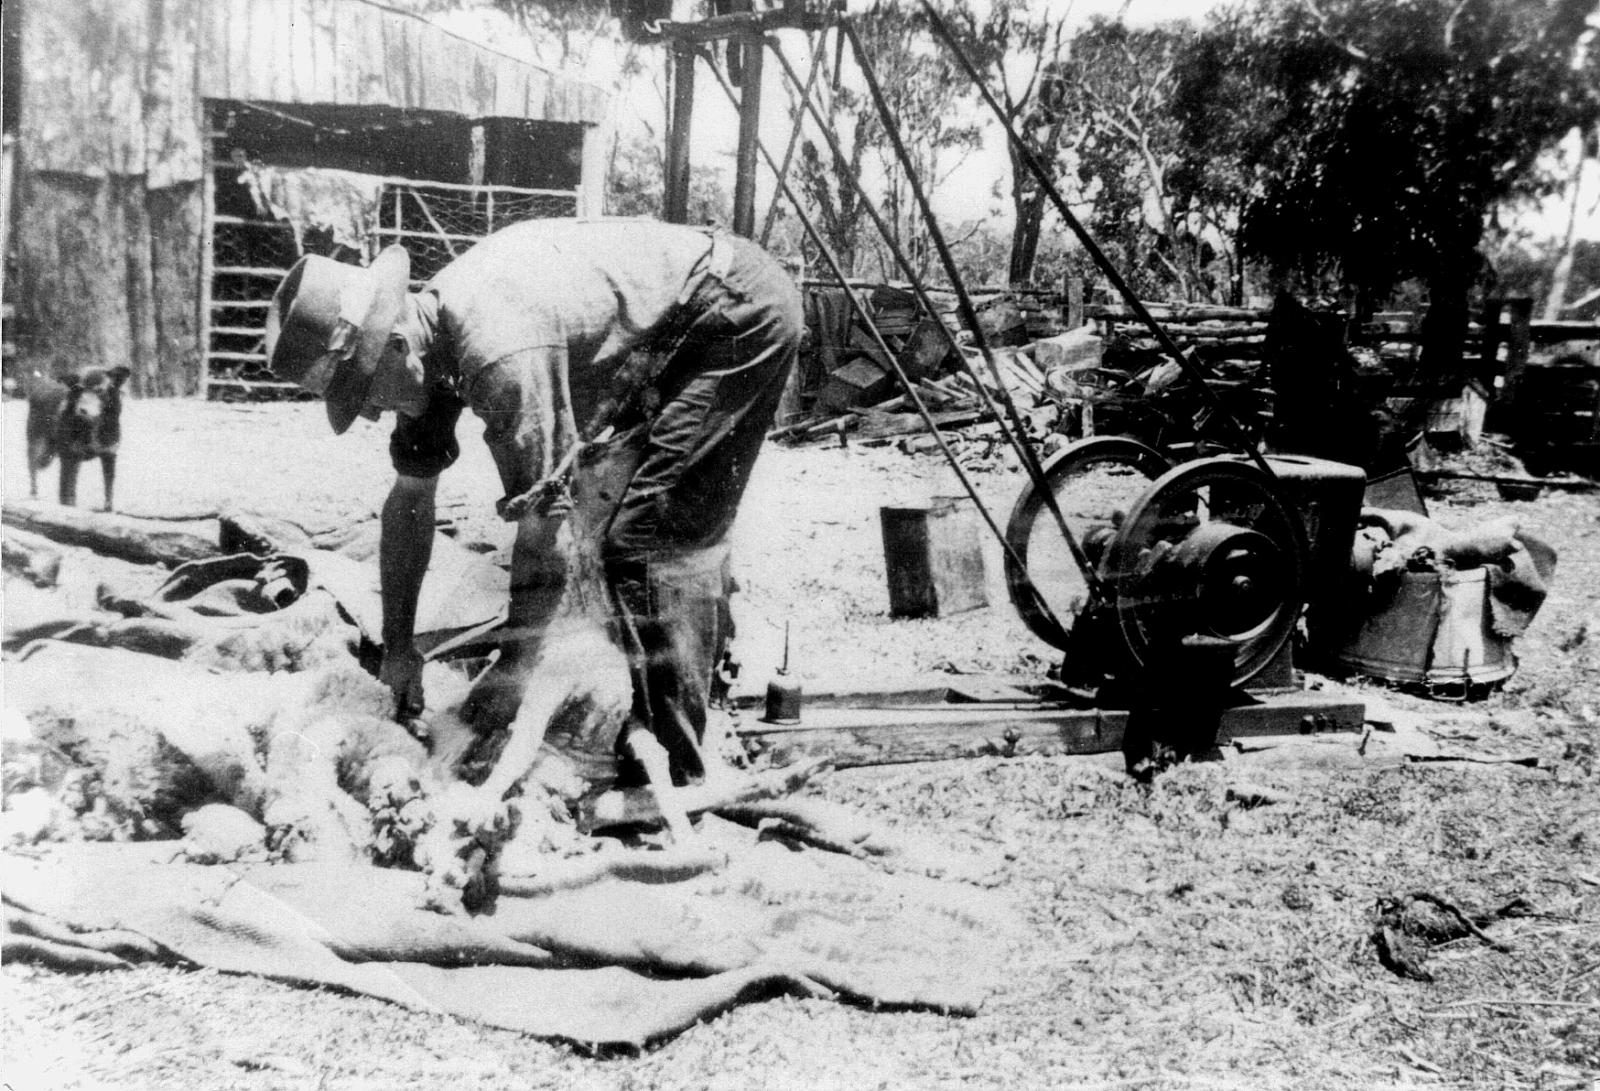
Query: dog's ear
[119, 375]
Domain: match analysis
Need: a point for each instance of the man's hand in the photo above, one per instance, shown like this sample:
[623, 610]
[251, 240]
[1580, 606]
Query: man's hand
[402, 672]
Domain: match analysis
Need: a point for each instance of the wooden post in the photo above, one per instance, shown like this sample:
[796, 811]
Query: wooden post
[1519, 340]
[1489, 340]
[8, 146]
[675, 198]
[744, 186]
[592, 183]
[1074, 293]
[208, 227]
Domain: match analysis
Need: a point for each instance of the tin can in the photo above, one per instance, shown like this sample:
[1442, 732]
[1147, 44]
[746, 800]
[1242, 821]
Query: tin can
[783, 701]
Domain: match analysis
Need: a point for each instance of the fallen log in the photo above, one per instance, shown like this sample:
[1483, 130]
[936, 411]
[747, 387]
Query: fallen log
[31, 556]
[142, 541]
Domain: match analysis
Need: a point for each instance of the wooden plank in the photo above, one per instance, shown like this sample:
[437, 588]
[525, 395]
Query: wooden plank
[253, 384]
[1547, 332]
[1577, 484]
[372, 78]
[272, 71]
[267, 271]
[177, 216]
[934, 689]
[326, 58]
[71, 123]
[173, 110]
[139, 288]
[1177, 312]
[857, 737]
[742, 24]
[211, 78]
[302, 54]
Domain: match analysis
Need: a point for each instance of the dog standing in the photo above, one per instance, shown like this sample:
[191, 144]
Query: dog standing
[75, 420]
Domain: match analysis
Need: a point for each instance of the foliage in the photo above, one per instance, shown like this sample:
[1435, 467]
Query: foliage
[1094, 111]
[924, 90]
[565, 34]
[635, 186]
[1375, 137]
[1523, 267]
[1119, 82]
[1019, 55]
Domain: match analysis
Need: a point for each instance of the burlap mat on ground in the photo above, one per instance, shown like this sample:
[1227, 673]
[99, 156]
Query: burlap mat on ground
[610, 962]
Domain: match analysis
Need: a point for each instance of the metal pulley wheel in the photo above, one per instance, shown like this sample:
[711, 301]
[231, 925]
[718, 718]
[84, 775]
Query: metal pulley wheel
[1210, 549]
[1095, 482]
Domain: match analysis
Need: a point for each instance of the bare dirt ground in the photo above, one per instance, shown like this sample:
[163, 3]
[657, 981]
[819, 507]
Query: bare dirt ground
[1180, 938]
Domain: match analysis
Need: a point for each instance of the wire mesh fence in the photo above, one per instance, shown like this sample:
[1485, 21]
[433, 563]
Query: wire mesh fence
[434, 221]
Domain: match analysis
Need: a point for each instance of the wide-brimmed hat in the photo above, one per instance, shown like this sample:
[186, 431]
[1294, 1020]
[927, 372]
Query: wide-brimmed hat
[328, 325]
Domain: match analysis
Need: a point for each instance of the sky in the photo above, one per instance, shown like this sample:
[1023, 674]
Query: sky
[967, 194]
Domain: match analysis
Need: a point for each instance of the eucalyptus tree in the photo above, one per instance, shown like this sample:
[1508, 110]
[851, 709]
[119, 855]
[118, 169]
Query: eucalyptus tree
[1376, 138]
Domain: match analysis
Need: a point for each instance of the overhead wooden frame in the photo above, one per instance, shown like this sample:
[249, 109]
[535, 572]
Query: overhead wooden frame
[747, 29]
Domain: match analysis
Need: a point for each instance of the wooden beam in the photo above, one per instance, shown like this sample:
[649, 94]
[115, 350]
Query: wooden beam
[204, 304]
[744, 184]
[675, 198]
[741, 24]
[939, 732]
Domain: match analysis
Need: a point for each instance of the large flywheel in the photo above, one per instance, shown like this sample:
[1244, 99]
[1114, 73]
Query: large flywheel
[1095, 482]
[1210, 549]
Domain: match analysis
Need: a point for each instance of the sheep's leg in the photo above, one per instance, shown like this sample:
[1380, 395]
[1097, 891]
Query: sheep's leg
[526, 736]
[649, 753]
[473, 823]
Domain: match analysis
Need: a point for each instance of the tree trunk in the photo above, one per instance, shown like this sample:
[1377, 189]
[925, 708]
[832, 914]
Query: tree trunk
[1025, 239]
[1444, 327]
[1555, 302]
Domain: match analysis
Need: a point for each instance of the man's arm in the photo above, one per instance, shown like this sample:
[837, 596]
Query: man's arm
[538, 578]
[405, 546]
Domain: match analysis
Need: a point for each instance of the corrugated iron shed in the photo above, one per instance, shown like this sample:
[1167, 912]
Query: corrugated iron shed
[120, 107]
[113, 88]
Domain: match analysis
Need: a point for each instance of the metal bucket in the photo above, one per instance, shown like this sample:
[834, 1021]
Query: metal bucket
[1436, 630]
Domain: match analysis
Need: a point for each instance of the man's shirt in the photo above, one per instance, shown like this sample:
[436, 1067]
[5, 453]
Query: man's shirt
[531, 326]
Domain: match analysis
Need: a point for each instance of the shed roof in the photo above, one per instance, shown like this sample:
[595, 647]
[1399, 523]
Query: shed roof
[361, 53]
[113, 88]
